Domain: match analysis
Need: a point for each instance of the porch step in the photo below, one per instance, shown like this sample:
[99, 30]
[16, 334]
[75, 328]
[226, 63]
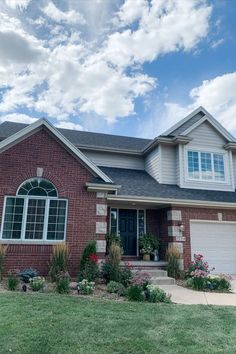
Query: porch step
[146, 265]
[152, 271]
[163, 280]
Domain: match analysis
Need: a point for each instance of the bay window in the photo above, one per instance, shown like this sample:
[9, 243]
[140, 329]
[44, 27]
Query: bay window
[35, 213]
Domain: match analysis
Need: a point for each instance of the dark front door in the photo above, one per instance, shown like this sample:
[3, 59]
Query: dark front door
[128, 231]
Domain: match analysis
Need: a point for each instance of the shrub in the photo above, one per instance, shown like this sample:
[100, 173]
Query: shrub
[112, 238]
[125, 274]
[59, 260]
[3, 251]
[141, 279]
[173, 256]
[155, 294]
[199, 279]
[63, 283]
[116, 288]
[37, 283]
[13, 279]
[89, 263]
[86, 287]
[27, 274]
[111, 267]
[148, 243]
[220, 283]
[198, 264]
[135, 293]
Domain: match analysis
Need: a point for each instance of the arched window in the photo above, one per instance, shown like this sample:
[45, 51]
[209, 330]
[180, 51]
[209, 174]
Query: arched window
[35, 214]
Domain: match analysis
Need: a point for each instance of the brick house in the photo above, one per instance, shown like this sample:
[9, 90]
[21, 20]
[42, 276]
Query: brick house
[63, 185]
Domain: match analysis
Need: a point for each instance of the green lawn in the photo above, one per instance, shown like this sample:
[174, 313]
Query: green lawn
[32, 324]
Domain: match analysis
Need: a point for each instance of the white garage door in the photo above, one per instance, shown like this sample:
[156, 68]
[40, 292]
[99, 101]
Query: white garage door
[216, 241]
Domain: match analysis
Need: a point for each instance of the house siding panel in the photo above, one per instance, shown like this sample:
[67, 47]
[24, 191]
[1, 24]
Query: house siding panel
[115, 159]
[168, 165]
[152, 164]
[20, 163]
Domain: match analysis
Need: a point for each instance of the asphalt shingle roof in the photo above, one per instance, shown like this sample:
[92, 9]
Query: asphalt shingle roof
[187, 124]
[81, 138]
[140, 183]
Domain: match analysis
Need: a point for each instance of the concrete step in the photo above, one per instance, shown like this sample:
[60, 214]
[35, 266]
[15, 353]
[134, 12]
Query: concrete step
[147, 264]
[152, 271]
[162, 281]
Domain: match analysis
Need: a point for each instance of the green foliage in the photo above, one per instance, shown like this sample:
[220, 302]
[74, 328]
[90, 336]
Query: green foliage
[125, 275]
[112, 238]
[155, 294]
[86, 287]
[12, 280]
[37, 283]
[90, 248]
[89, 263]
[63, 283]
[135, 293]
[3, 251]
[116, 288]
[59, 260]
[111, 267]
[148, 243]
[173, 256]
[27, 274]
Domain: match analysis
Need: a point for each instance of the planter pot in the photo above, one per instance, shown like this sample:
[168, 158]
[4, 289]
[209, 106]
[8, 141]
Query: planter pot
[146, 257]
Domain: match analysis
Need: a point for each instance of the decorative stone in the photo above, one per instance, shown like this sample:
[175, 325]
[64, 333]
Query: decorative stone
[178, 245]
[73, 285]
[174, 231]
[101, 194]
[220, 216]
[39, 172]
[101, 227]
[174, 215]
[181, 264]
[101, 209]
[101, 246]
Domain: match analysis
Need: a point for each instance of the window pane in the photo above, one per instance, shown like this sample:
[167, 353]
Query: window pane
[56, 220]
[193, 164]
[141, 222]
[219, 167]
[38, 187]
[13, 218]
[113, 221]
[206, 166]
[35, 219]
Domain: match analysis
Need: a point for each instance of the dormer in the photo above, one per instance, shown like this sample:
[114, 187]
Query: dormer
[195, 153]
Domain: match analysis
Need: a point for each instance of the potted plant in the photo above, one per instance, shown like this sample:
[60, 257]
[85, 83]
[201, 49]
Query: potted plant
[147, 244]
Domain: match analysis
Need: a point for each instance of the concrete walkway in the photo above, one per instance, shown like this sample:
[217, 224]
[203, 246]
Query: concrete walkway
[181, 295]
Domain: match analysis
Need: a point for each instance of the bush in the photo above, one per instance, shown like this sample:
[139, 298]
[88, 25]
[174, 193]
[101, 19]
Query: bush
[112, 238]
[111, 267]
[13, 280]
[173, 256]
[89, 263]
[86, 287]
[3, 251]
[135, 293]
[63, 283]
[27, 274]
[116, 288]
[141, 279]
[219, 283]
[59, 260]
[155, 294]
[125, 275]
[198, 264]
[148, 243]
[37, 283]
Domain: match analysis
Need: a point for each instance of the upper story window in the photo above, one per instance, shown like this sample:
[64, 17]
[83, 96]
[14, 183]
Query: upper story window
[35, 213]
[206, 166]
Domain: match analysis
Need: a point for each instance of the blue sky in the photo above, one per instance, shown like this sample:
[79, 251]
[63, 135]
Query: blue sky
[129, 67]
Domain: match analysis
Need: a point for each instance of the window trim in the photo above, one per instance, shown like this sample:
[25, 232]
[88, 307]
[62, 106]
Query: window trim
[24, 217]
[212, 153]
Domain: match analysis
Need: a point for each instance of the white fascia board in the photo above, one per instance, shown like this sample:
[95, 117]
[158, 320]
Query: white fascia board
[43, 122]
[171, 201]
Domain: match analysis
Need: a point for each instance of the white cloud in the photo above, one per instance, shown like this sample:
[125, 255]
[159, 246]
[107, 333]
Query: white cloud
[60, 72]
[21, 4]
[69, 125]
[217, 95]
[17, 117]
[57, 15]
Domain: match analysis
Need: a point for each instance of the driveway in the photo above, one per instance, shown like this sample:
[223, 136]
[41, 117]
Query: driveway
[181, 295]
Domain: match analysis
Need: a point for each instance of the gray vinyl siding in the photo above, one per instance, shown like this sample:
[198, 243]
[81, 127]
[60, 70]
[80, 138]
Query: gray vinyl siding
[234, 166]
[207, 138]
[152, 164]
[177, 166]
[110, 159]
[168, 164]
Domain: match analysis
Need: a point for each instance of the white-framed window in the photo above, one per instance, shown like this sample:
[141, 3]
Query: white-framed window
[35, 213]
[207, 166]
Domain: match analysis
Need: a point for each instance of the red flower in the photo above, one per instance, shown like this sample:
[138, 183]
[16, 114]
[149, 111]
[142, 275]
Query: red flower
[93, 257]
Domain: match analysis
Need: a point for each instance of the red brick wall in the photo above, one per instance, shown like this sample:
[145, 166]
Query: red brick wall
[18, 164]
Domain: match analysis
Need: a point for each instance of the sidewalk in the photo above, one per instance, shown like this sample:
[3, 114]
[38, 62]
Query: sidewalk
[181, 295]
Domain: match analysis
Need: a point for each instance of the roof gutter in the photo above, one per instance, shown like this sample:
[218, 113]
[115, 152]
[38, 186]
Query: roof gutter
[171, 201]
[96, 187]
